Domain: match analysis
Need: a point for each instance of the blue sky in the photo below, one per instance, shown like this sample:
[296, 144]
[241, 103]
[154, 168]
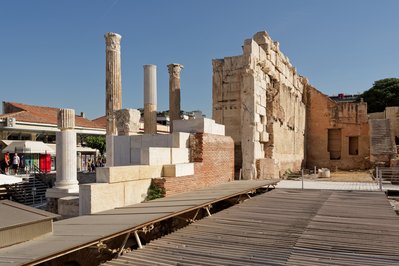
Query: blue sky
[52, 53]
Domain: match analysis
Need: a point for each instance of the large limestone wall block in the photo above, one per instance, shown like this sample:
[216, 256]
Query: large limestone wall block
[135, 141]
[121, 150]
[135, 156]
[136, 191]
[68, 207]
[161, 140]
[180, 140]
[199, 125]
[181, 169]
[96, 197]
[151, 140]
[150, 171]
[218, 129]
[118, 174]
[155, 156]
[180, 155]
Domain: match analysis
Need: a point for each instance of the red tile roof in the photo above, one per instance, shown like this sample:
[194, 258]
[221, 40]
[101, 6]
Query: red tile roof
[41, 115]
[101, 121]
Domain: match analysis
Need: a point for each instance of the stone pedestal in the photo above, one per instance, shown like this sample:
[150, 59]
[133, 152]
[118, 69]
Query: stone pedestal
[150, 99]
[174, 93]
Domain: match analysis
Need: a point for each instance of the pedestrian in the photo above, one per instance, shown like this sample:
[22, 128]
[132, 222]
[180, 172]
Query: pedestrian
[7, 162]
[22, 164]
[15, 163]
[93, 166]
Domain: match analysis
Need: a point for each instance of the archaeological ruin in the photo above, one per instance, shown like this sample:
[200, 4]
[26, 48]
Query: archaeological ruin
[280, 123]
[268, 120]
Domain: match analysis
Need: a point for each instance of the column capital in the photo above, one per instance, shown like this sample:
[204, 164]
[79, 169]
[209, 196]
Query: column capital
[174, 70]
[66, 119]
[113, 41]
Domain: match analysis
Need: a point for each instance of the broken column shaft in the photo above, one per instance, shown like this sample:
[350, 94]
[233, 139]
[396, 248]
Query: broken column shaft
[66, 176]
[113, 89]
[174, 92]
[150, 99]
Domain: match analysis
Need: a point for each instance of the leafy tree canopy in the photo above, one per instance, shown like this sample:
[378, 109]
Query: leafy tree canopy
[96, 142]
[385, 92]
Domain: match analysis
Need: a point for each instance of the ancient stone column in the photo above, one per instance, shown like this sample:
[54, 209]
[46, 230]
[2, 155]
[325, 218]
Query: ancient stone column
[66, 177]
[113, 89]
[113, 82]
[150, 99]
[174, 92]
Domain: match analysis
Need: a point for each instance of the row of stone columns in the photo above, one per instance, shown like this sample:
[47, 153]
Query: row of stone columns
[66, 177]
[114, 89]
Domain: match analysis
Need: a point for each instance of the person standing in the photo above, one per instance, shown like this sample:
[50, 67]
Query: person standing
[7, 162]
[15, 163]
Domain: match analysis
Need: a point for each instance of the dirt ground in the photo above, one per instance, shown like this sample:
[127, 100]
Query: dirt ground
[345, 176]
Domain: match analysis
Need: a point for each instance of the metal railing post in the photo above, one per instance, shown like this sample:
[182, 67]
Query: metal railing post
[380, 179]
[302, 177]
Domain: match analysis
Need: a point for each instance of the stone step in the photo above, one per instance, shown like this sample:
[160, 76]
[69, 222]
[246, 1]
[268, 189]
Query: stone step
[159, 156]
[180, 169]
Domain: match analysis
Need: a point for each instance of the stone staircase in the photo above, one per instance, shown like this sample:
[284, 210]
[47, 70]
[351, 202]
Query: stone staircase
[30, 192]
[381, 142]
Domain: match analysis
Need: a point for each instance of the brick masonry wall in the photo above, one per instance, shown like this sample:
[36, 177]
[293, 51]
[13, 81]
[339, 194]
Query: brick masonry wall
[213, 157]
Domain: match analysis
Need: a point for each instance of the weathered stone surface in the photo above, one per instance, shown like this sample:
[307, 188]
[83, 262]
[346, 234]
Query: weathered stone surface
[180, 169]
[127, 121]
[68, 207]
[118, 174]
[327, 149]
[174, 93]
[66, 119]
[113, 80]
[98, 197]
[258, 98]
[199, 125]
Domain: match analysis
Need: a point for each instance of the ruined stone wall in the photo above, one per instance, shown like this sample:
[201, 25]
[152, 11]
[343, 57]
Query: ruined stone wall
[213, 157]
[347, 146]
[392, 113]
[258, 96]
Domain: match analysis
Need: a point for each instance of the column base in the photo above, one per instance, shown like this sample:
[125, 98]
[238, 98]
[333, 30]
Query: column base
[62, 192]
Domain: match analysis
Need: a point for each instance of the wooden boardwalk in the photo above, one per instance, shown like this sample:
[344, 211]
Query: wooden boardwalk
[77, 233]
[284, 227]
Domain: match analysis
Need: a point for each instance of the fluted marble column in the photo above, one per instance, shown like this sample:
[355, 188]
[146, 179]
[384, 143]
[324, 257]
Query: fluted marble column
[113, 89]
[66, 177]
[174, 92]
[150, 99]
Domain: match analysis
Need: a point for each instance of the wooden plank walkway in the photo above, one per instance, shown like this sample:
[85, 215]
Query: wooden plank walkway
[77, 233]
[284, 227]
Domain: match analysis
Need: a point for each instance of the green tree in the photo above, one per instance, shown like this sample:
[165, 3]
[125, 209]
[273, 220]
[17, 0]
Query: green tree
[96, 142]
[383, 93]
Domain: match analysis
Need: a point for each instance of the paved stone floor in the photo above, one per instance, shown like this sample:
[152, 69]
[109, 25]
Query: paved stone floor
[311, 184]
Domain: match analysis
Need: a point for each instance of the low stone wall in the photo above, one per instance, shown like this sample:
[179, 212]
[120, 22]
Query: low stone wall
[213, 157]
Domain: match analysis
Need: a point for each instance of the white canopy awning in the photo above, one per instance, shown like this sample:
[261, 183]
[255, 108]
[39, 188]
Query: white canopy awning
[28, 147]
